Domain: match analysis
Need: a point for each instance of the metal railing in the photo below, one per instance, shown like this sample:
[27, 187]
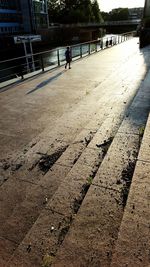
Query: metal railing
[48, 60]
[99, 24]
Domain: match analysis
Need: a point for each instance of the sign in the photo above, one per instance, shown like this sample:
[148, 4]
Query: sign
[27, 38]
[27, 41]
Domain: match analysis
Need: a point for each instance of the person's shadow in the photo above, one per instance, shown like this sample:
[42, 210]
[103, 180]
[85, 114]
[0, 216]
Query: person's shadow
[44, 83]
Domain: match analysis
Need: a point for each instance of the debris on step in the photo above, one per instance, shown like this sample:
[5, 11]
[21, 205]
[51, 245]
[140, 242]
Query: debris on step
[4, 165]
[105, 143]
[45, 201]
[126, 179]
[47, 161]
[52, 229]
[29, 248]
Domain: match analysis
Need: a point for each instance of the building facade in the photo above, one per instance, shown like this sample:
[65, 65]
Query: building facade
[23, 16]
[10, 17]
[34, 15]
[136, 13]
[40, 13]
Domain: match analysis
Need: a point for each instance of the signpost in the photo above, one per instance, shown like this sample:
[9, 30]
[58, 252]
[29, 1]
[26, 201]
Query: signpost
[25, 40]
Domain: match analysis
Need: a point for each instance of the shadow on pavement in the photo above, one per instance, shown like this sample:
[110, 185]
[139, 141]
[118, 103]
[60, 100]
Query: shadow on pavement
[145, 52]
[44, 83]
[139, 108]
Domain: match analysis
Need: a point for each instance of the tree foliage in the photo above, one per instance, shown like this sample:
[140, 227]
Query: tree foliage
[119, 14]
[96, 12]
[116, 14]
[74, 11]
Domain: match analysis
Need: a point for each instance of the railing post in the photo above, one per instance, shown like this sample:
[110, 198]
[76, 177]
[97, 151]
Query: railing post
[81, 50]
[58, 59]
[42, 63]
[89, 49]
[96, 47]
[22, 75]
[106, 43]
[101, 43]
[111, 41]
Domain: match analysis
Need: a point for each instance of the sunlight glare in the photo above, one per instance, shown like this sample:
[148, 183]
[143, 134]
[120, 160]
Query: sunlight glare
[108, 5]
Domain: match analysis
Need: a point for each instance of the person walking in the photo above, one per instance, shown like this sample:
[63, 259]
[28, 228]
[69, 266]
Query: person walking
[68, 57]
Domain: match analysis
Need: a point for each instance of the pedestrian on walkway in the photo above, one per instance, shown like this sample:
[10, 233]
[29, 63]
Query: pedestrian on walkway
[68, 57]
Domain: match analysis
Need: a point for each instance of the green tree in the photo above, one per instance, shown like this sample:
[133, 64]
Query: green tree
[53, 10]
[105, 16]
[73, 11]
[119, 14]
[96, 12]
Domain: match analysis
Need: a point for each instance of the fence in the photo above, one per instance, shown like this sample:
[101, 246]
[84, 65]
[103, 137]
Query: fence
[17, 68]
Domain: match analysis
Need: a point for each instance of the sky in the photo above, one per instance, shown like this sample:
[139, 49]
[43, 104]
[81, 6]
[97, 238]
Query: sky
[107, 5]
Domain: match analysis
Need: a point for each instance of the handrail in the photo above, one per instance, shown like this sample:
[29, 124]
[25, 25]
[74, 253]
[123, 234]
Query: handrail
[104, 23]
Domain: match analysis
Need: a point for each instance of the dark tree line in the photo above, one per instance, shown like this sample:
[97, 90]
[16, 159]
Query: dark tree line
[74, 11]
[116, 14]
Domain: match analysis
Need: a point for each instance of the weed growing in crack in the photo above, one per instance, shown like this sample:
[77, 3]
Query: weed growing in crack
[47, 260]
[89, 180]
[141, 131]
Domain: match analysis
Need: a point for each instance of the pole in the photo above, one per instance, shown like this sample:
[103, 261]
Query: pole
[25, 51]
[33, 65]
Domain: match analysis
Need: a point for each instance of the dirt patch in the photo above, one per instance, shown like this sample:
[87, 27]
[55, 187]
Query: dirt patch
[78, 201]
[47, 161]
[85, 187]
[64, 228]
[4, 165]
[126, 179]
[105, 145]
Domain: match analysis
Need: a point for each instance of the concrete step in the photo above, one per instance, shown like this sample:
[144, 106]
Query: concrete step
[76, 225]
[24, 172]
[93, 235]
[48, 142]
[132, 246]
[23, 197]
[67, 199]
[77, 181]
[24, 193]
[64, 130]
[24, 189]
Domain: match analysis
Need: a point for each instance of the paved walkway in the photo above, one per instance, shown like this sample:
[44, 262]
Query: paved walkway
[29, 107]
[75, 165]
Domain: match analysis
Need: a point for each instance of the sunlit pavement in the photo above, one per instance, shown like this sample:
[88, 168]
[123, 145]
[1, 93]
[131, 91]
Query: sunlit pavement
[72, 143]
[40, 102]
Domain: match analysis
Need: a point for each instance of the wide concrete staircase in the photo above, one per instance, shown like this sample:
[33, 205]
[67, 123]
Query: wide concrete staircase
[82, 200]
